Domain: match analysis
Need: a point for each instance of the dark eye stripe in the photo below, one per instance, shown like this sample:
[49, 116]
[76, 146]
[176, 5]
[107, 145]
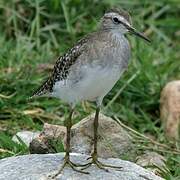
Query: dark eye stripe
[117, 19]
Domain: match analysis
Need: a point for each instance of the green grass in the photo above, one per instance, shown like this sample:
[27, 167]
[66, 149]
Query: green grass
[33, 33]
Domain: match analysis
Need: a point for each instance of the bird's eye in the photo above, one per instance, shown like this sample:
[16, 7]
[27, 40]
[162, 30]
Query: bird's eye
[115, 20]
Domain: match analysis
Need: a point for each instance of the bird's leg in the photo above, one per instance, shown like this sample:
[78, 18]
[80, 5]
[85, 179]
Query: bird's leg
[94, 155]
[68, 124]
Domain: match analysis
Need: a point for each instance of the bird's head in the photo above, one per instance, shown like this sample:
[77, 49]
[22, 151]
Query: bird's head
[120, 21]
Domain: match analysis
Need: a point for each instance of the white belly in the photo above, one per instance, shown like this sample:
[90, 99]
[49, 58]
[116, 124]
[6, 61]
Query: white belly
[95, 83]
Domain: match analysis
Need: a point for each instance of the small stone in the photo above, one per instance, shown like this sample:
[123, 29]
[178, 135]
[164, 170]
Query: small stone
[153, 162]
[43, 143]
[40, 145]
[25, 136]
[54, 131]
[170, 109]
[41, 166]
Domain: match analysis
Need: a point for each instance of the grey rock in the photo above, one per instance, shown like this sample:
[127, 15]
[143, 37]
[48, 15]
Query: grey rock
[113, 141]
[40, 167]
[25, 136]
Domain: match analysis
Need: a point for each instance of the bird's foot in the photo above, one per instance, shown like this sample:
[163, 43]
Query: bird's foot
[100, 165]
[70, 164]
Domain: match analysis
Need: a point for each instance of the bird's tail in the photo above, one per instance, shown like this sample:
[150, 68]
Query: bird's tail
[44, 89]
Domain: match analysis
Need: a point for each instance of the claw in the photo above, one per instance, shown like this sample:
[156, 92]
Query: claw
[89, 158]
[72, 165]
[86, 166]
[99, 164]
[78, 165]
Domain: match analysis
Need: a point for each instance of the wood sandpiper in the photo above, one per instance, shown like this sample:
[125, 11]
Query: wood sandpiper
[89, 70]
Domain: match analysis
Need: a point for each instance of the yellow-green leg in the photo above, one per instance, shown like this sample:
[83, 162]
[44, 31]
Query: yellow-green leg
[68, 124]
[94, 156]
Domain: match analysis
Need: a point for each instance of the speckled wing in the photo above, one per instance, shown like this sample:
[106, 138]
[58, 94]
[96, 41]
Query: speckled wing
[61, 68]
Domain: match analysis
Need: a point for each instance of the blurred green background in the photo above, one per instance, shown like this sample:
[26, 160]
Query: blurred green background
[33, 33]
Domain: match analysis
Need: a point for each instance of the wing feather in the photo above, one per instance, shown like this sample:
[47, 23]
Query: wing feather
[61, 68]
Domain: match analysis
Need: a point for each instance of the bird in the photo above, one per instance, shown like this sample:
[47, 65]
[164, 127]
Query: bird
[88, 71]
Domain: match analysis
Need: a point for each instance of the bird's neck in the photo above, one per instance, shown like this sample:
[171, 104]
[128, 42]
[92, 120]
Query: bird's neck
[117, 34]
[113, 33]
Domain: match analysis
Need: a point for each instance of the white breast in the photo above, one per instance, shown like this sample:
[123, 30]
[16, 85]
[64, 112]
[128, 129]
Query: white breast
[95, 83]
